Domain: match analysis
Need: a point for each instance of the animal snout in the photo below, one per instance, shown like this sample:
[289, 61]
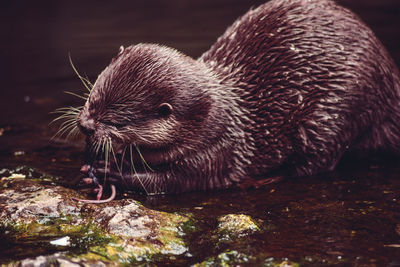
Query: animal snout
[87, 126]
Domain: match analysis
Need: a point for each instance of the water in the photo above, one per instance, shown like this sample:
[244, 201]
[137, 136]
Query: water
[346, 217]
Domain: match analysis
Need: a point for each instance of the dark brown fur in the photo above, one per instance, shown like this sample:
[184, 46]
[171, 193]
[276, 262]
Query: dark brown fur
[291, 83]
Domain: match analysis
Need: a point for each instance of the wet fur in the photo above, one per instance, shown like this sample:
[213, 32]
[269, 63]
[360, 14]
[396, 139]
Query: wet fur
[291, 83]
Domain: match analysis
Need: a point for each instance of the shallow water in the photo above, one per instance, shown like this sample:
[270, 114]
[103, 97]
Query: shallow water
[351, 216]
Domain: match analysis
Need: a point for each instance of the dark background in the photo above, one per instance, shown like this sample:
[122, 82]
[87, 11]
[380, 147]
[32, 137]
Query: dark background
[36, 37]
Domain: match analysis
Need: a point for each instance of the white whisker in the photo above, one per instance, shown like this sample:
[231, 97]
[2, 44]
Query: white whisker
[88, 85]
[134, 169]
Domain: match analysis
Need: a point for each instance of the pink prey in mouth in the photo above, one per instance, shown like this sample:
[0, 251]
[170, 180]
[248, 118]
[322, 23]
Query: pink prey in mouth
[92, 179]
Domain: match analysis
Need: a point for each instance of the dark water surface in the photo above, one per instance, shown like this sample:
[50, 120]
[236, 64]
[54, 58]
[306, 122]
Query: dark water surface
[351, 216]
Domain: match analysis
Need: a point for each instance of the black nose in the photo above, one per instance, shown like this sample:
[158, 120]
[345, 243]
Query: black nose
[87, 126]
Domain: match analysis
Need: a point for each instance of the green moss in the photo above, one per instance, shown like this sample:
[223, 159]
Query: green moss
[271, 262]
[82, 236]
[189, 226]
[165, 241]
[234, 258]
[24, 172]
[226, 259]
[90, 237]
[236, 225]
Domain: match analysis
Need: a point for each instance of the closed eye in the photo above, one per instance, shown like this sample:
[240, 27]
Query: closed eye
[115, 124]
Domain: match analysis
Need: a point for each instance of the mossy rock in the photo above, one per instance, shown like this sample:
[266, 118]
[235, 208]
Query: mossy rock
[119, 232]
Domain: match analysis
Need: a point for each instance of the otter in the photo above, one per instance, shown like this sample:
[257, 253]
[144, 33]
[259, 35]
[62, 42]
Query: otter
[291, 85]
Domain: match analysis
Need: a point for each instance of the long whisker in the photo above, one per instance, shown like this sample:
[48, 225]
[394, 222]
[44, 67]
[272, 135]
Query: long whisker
[94, 149]
[134, 170]
[67, 122]
[68, 129]
[143, 160]
[145, 167]
[66, 126]
[73, 132]
[74, 94]
[88, 85]
[115, 159]
[66, 109]
[122, 158]
[64, 116]
[107, 142]
[97, 148]
[69, 112]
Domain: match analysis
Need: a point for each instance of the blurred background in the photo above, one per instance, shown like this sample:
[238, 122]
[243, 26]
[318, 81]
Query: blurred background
[37, 36]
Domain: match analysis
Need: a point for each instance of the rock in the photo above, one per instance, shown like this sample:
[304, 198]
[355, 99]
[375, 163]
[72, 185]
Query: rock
[122, 231]
[235, 258]
[140, 233]
[56, 260]
[236, 226]
[225, 259]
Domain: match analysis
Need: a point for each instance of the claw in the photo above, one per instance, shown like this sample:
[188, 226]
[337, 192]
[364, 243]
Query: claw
[85, 168]
[87, 181]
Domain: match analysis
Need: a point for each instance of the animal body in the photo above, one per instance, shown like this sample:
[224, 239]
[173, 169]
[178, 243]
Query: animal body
[291, 84]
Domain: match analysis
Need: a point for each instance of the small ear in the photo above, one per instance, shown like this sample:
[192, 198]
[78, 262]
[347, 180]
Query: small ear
[164, 109]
